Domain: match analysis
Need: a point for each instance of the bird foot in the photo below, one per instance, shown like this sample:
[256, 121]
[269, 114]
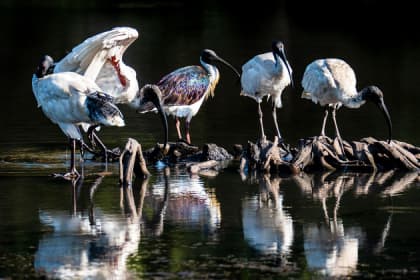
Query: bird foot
[262, 141]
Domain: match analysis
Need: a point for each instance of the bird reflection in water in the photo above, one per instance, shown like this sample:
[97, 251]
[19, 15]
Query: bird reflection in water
[331, 248]
[93, 244]
[181, 199]
[267, 226]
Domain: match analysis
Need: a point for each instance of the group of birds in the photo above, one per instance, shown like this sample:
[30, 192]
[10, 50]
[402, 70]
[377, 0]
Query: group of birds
[82, 89]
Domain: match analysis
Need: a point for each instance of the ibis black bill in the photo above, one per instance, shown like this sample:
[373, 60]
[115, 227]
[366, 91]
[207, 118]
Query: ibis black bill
[384, 109]
[283, 57]
[164, 123]
[229, 65]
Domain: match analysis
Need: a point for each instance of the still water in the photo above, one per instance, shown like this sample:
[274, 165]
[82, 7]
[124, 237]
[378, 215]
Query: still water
[229, 226]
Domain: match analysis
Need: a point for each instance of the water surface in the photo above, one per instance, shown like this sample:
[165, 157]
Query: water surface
[230, 226]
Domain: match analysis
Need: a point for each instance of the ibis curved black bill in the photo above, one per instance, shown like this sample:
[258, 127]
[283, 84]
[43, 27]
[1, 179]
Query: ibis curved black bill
[384, 109]
[283, 57]
[228, 64]
[162, 114]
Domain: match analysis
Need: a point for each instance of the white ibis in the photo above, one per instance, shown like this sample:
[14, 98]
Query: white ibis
[331, 82]
[68, 100]
[100, 58]
[185, 89]
[267, 74]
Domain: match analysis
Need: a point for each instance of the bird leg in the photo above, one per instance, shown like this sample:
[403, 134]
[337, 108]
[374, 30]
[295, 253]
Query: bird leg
[95, 140]
[260, 115]
[324, 122]
[178, 128]
[337, 133]
[187, 132]
[281, 141]
[82, 150]
[73, 174]
[276, 124]
[83, 146]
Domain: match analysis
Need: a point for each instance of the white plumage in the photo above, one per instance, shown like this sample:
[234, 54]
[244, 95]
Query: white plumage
[264, 76]
[331, 82]
[267, 74]
[267, 225]
[69, 99]
[62, 98]
[100, 58]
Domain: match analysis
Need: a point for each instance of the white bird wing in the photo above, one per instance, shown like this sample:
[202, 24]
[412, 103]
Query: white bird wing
[62, 99]
[326, 80]
[256, 76]
[89, 57]
[62, 96]
[69, 99]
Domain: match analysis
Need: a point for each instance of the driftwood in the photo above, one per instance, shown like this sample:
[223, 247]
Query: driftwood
[177, 152]
[132, 161]
[197, 167]
[265, 156]
[323, 153]
[366, 155]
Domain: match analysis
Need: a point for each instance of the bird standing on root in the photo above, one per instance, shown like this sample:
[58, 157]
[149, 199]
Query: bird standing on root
[331, 82]
[100, 59]
[267, 74]
[68, 100]
[185, 89]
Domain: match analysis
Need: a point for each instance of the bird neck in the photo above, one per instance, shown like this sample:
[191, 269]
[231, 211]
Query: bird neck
[278, 62]
[212, 71]
[356, 101]
[280, 69]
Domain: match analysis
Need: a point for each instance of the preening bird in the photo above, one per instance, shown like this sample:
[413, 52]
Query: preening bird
[185, 89]
[331, 82]
[267, 74]
[68, 100]
[100, 59]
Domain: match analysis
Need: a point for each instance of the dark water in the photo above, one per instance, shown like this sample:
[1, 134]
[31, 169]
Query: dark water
[230, 225]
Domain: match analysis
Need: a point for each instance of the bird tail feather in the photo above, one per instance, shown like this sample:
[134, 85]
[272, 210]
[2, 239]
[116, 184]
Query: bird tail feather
[103, 111]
